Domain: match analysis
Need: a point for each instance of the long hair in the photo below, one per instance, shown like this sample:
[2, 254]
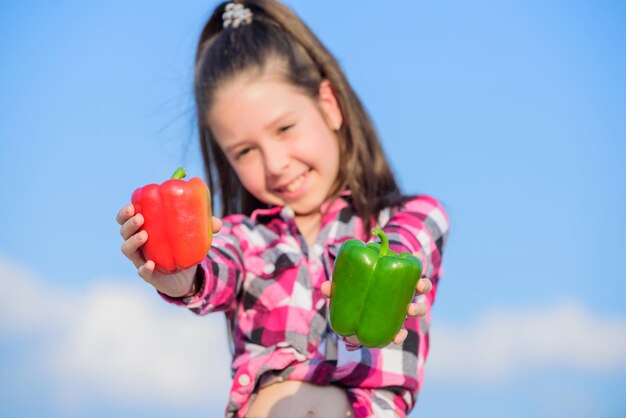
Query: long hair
[277, 33]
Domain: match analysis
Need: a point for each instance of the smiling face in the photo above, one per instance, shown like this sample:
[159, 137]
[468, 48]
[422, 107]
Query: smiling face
[281, 143]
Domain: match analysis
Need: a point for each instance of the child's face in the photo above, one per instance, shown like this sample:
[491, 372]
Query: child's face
[281, 143]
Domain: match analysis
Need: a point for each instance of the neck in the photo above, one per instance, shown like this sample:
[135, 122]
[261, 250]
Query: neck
[309, 225]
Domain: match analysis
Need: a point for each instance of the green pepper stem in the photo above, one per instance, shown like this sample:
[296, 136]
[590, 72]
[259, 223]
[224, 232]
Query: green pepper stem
[384, 243]
[179, 174]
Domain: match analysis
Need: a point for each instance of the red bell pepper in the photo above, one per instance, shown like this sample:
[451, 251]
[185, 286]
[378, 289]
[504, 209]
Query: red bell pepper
[177, 218]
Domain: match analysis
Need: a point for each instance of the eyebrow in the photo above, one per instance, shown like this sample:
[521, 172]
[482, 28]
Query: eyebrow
[233, 147]
[275, 121]
[284, 115]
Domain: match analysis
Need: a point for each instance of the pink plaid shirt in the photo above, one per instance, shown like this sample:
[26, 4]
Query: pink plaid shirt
[266, 278]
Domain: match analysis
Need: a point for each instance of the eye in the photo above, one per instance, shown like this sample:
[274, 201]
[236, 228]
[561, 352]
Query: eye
[242, 153]
[285, 128]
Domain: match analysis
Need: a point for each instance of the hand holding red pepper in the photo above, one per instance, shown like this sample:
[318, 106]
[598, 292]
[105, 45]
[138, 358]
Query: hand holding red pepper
[179, 280]
[177, 217]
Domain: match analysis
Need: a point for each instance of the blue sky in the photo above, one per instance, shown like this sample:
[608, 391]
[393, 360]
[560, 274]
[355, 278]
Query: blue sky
[511, 113]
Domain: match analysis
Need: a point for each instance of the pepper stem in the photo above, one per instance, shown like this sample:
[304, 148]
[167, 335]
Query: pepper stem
[384, 243]
[179, 174]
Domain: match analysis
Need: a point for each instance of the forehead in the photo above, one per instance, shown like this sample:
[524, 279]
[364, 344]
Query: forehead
[241, 87]
[245, 105]
[256, 90]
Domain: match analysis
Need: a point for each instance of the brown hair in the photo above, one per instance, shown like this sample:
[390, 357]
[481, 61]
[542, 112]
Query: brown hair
[277, 32]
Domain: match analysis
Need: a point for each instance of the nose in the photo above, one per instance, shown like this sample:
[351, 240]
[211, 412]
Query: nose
[276, 159]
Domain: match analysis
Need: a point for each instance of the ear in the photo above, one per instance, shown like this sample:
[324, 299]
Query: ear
[330, 106]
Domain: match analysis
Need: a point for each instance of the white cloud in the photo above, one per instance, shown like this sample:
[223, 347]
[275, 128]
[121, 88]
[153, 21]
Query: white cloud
[27, 306]
[503, 343]
[116, 341]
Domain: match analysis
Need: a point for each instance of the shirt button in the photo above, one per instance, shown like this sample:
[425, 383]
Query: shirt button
[244, 380]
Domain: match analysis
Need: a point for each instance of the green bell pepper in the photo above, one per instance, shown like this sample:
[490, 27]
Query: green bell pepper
[372, 287]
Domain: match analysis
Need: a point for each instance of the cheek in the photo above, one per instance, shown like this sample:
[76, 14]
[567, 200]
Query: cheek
[249, 177]
[322, 150]
[330, 157]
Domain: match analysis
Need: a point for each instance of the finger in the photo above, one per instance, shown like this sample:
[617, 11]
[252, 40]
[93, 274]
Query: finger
[326, 288]
[130, 248]
[216, 224]
[146, 271]
[352, 339]
[420, 254]
[424, 286]
[400, 336]
[416, 309]
[125, 213]
[131, 226]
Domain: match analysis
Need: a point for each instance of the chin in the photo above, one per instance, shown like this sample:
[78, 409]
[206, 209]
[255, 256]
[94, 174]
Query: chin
[306, 208]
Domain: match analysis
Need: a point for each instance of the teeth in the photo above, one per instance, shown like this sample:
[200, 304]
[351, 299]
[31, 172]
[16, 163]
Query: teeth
[293, 186]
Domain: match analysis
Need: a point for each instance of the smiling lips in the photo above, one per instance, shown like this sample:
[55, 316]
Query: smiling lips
[294, 185]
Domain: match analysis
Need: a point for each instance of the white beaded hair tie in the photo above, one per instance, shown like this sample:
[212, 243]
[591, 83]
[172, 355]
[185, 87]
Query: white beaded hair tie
[235, 15]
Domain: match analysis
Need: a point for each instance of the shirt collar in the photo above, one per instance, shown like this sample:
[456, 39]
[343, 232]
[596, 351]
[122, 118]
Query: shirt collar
[329, 209]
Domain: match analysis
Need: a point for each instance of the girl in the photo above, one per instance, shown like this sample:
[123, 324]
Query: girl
[299, 170]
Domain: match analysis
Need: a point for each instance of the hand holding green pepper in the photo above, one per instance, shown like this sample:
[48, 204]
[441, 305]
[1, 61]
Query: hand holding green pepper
[372, 290]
